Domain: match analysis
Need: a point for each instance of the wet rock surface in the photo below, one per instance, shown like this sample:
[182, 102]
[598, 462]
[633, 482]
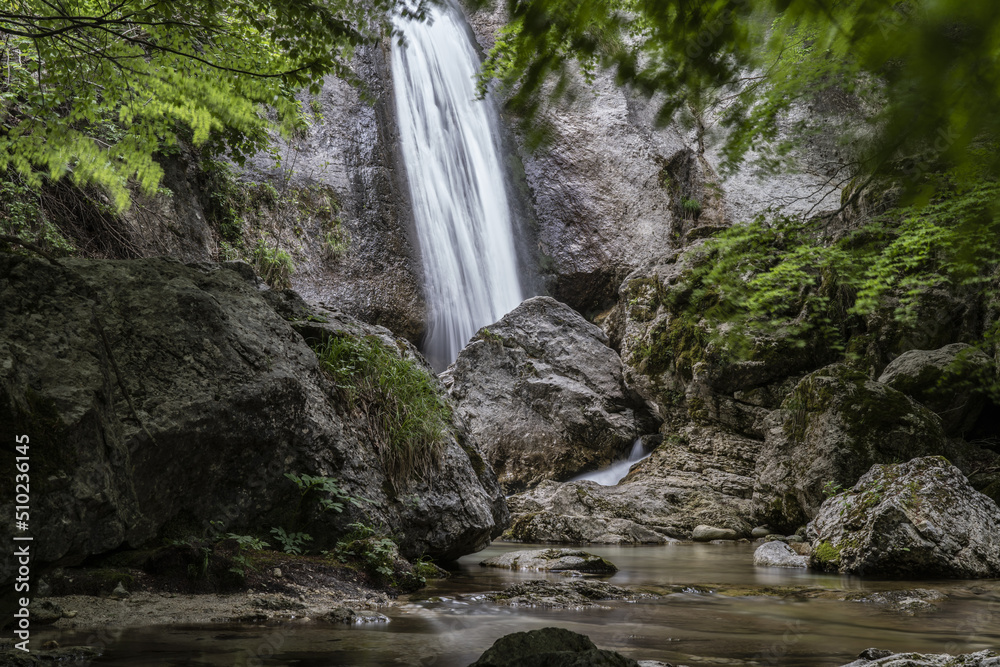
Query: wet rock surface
[907, 602]
[574, 594]
[552, 560]
[139, 380]
[913, 520]
[543, 394]
[778, 554]
[700, 476]
[884, 658]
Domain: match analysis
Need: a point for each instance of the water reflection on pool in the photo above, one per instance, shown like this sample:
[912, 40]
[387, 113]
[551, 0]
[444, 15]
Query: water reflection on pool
[447, 625]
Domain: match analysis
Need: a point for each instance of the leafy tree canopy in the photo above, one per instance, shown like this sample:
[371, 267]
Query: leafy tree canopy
[92, 89]
[931, 66]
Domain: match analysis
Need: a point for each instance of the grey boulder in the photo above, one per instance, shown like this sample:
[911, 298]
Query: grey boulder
[161, 397]
[544, 395]
[913, 520]
[778, 554]
[552, 560]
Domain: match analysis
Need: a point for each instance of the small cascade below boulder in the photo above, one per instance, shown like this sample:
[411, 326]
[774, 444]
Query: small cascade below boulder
[617, 471]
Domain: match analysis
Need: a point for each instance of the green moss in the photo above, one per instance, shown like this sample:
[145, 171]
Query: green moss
[520, 529]
[826, 556]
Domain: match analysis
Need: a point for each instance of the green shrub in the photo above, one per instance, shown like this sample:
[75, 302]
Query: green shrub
[274, 265]
[406, 417]
[292, 543]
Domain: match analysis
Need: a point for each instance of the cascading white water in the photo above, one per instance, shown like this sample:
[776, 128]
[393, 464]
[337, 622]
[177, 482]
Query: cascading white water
[616, 472]
[451, 151]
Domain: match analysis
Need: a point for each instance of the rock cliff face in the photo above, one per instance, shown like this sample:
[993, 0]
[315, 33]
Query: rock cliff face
[612, 191]
[333, 196]
[160, 397]
[352, 148]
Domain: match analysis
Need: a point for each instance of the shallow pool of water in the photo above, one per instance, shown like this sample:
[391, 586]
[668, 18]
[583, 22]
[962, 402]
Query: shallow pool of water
[447, 625]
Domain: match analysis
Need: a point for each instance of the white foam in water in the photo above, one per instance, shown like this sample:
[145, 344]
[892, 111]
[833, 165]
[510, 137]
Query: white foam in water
[616, 472]
[451, 150]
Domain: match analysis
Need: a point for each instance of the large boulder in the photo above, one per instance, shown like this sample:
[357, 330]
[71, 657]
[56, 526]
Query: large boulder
[830, 430]
[549, 647]
[945, 380]
[910, 520]
[160, 397]
[698, 476]
[544, 395]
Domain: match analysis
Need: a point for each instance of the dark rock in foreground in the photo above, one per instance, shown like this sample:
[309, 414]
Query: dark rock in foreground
[160, 397]
[549, 647]
[874, 657]
[912, 520]
[552, 560]
[544, 395]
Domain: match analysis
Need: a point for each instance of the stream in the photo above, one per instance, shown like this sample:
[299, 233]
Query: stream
[448, 625]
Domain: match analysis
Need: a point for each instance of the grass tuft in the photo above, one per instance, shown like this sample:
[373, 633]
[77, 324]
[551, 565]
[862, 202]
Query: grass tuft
[406, 417]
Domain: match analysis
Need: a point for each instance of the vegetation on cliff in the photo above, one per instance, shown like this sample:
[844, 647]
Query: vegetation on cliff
[92, 91]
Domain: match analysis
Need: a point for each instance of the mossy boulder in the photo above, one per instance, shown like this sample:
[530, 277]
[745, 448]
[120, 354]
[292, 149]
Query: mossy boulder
[919, 519]
[831, 429]
[945, 380]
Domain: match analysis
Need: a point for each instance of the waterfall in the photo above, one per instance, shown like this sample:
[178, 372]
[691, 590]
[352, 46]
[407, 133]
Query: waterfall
[616, 472]
[451, 151]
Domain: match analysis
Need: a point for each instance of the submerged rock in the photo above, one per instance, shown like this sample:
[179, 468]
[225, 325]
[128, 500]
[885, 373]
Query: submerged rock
[549, 647]
[350, 616]
[701, 475]
[908, 602]
[159, 395]
[912, 520]
[778, 554]
[552, 560]
[874, 657]
[833, 427]
[944, 380]
[544, 395]
[560, 595]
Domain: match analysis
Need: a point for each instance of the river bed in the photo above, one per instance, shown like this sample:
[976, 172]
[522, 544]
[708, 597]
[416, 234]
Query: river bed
[722, 621]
